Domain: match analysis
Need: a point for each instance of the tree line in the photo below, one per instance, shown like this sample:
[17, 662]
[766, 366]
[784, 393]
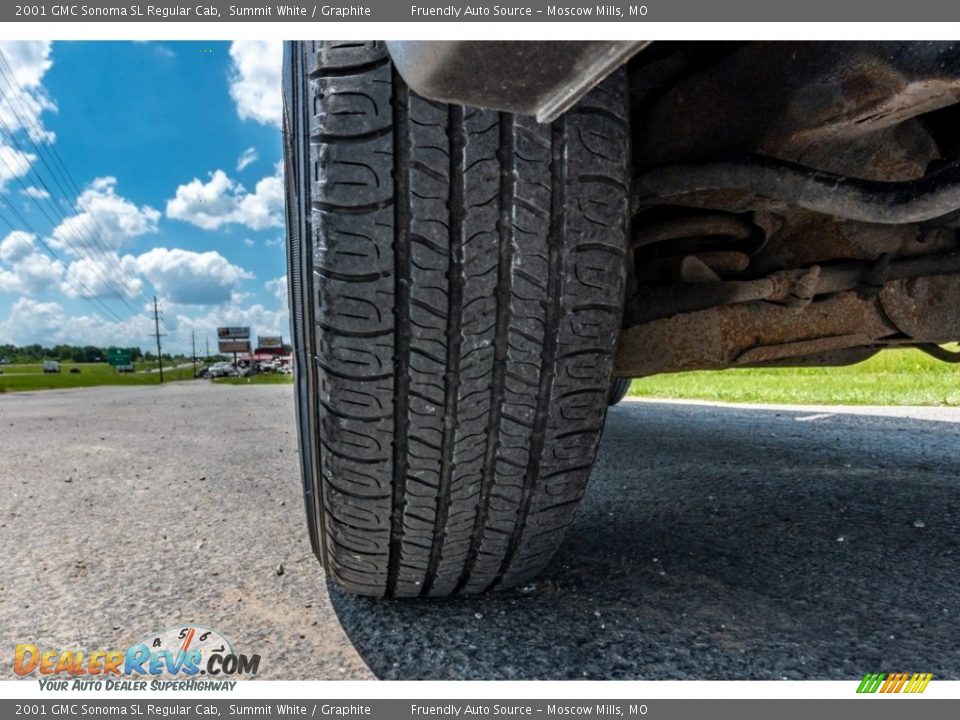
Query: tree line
[75, 353]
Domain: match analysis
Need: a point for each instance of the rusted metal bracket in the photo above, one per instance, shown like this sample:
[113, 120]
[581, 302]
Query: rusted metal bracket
[924, 310]
[792, 287]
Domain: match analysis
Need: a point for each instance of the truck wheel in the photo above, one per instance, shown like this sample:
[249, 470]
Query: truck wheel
[456, 279]
[618, 390]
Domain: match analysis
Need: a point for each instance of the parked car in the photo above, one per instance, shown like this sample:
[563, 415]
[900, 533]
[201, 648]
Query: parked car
[222, 369]
[51, 366]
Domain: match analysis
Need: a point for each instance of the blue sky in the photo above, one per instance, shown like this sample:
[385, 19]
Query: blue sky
[129, 170]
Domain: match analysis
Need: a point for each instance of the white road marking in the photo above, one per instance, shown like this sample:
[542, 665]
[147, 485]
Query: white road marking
[818, 416]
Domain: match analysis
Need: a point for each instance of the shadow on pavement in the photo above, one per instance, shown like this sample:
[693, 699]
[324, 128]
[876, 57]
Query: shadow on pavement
[719, 543]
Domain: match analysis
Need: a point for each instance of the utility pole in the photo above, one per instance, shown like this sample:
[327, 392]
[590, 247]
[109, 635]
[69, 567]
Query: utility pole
[193, 342]
[156, 325]
[208, 348]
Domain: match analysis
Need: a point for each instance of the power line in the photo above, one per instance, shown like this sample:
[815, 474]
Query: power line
[95, 246]
[110, 283]
[72, 232]
[86, 295]
[156, 325]
[51, 149]
[61, 217]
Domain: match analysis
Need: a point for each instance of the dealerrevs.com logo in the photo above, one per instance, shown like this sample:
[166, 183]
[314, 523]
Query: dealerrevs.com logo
[184, 657]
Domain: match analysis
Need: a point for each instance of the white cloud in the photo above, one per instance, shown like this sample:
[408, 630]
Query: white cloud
[222, 201]
[255, 80]
[89, 277]
[249, 242]
[27, 272]
[261, 319]
[32, 272]
[207, 205]
[247, 158]
[16, 246]
[23, 102]
[104, 215]
[30, 319]
[278, 286]
[36, 193]
[191, 278]
[13, 164]
[263, 208]
[47, 323]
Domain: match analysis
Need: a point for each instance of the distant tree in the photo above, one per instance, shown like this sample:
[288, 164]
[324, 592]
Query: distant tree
[81, 354]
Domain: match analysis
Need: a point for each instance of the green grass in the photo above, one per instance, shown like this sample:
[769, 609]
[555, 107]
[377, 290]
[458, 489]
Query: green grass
[153, 364]
[31, 377]
[893, 377]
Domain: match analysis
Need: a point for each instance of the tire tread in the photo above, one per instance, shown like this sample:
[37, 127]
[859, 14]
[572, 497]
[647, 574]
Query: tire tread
[468, 278]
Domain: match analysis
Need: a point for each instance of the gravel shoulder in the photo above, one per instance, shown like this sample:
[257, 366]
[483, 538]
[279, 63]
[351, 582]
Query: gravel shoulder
[714, 542]
[132, 509]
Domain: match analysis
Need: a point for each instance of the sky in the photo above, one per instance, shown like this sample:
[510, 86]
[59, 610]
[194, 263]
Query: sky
[130, 170]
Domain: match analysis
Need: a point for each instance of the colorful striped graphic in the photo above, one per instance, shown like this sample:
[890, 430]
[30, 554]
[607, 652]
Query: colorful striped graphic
[894, 682]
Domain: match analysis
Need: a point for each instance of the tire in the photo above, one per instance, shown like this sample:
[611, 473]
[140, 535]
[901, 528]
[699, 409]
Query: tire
[456, 281]
[618, 390]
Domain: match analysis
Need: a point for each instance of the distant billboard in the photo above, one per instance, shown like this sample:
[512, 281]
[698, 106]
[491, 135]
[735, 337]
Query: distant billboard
[233, 333]
[270, 342]
[234, 346]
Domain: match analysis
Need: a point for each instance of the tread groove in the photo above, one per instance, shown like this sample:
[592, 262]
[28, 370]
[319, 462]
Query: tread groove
[455, 280]
[506, 154]
[401, 347]
[549, 353]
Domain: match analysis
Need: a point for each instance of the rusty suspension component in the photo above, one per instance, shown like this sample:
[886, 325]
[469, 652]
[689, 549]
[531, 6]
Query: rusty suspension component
[918, 311]
[715, 225]
[791, 287]
[894, 203]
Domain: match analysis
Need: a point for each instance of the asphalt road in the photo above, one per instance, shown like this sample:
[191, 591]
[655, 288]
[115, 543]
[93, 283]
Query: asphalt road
[714, 543]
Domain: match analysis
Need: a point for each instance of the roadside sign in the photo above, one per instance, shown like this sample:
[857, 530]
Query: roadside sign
[118, 356]
[233, 333]
[234, 346]
[270, 342]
